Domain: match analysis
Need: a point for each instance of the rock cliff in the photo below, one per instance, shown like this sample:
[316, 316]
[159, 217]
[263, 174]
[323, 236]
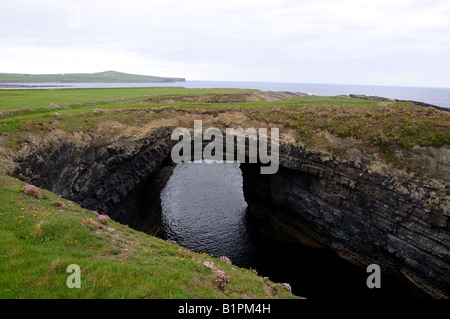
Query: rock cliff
[361, 208]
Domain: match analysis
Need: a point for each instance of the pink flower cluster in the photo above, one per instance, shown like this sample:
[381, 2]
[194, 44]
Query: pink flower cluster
[103, 219]
[91, 222]
[209, 265]
[32, 191]
[225, 259]
[221, 279]
[287, 286]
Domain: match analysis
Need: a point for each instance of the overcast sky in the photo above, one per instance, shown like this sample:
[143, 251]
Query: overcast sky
[379, 42]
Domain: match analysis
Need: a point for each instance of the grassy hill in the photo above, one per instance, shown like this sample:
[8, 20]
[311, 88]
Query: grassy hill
[101, 77]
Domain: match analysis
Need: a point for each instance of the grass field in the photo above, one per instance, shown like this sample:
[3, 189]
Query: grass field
[39, 239]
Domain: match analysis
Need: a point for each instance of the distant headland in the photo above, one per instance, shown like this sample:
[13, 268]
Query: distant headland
[100, 77]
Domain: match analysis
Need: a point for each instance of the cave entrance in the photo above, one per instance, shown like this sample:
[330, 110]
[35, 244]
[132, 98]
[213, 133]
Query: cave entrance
[203, 208]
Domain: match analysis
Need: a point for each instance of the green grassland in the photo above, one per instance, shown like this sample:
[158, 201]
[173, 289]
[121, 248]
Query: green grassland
[376, 125]
[39, 239]
[104, 77]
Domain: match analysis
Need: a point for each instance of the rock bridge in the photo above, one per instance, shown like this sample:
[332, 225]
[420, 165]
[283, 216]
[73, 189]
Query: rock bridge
[359, 207]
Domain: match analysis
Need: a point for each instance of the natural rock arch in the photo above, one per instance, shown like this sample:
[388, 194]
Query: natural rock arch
[366, 214]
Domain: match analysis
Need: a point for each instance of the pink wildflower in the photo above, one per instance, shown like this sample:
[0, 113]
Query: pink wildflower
[103, 219]
[221, 279]
[209, 264]
[32, 191]
[287, 286]
[225, 259]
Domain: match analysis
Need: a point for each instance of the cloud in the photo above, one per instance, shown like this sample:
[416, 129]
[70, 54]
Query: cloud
[366, 42]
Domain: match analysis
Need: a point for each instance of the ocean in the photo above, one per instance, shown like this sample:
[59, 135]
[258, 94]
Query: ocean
[434, 96]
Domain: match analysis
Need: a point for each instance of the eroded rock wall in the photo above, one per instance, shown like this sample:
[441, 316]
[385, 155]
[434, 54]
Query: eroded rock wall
[366, 215]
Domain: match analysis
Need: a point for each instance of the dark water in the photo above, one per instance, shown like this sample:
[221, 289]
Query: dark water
[435, 96]
[203, 209]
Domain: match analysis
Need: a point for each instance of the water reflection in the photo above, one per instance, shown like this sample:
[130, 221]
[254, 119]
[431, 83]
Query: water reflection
[204, 210]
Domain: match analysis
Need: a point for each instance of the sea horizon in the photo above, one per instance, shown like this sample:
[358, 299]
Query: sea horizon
[431, 95]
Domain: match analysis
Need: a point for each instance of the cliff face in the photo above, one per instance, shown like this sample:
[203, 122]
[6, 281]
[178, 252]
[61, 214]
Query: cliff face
[365, 211]
[122, 178]
[367, 214]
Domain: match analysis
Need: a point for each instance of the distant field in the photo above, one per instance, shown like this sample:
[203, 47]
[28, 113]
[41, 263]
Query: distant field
[101, 77]
[16, 99]
[376, 124]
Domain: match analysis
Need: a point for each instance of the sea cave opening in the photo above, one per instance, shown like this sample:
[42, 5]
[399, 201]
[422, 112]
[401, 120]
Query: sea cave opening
[204, 209]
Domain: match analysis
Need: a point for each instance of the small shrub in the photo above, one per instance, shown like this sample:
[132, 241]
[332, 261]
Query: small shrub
[287, 286]
[58, 203]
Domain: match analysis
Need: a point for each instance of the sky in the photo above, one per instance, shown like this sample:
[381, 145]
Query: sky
[369, 42]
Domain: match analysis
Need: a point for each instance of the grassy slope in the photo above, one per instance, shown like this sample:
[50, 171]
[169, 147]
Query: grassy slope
[39, 241]
[108, 76]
